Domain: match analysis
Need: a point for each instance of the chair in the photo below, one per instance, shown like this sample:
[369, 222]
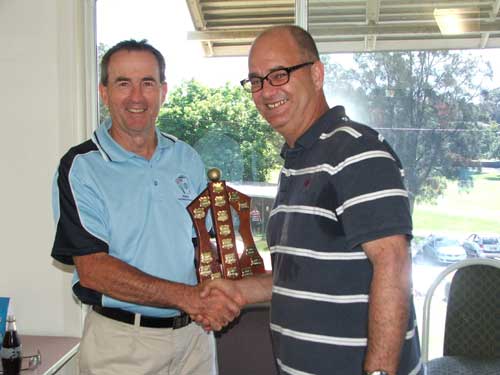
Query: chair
[472, 325]
[244, 347]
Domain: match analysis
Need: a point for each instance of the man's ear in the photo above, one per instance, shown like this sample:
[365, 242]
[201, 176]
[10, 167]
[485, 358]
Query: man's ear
[318, 74]
[103, 92]
[164, 90]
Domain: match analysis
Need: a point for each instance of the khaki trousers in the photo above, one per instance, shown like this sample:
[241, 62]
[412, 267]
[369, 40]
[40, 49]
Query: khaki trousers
[109, 347]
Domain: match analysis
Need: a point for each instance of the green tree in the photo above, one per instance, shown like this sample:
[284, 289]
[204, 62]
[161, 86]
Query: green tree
[490, 115]
[425, 104]
[223, 125]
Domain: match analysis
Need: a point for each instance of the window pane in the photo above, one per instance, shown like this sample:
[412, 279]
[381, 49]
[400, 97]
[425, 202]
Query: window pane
[440, 111]
[206, 106]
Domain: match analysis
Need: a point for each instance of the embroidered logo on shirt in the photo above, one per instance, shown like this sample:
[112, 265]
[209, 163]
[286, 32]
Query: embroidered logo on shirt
[183, 185]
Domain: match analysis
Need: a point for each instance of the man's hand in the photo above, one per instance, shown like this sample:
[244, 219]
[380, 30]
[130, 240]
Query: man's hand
[216, 289]
[213, 309]
[243, 291]
[231, 288]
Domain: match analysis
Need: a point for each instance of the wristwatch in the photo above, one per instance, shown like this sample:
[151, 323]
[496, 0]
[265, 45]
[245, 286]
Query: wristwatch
[376, 372]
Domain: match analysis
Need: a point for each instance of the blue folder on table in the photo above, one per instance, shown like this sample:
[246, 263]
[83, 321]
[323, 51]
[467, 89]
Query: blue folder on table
[4, 311]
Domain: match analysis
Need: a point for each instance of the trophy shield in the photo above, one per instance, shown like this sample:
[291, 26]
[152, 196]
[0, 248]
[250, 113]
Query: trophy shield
[221, 260]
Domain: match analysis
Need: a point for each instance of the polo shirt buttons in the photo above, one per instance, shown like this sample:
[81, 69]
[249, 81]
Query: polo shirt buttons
[157, 192]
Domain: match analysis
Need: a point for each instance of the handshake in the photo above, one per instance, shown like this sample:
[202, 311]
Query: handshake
[216, 303]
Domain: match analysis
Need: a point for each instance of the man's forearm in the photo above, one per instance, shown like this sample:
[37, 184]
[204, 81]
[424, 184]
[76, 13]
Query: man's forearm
[388, 321]
[115, 278]
[253, 289]
[257, 289]
[112, 277]
[388, 307]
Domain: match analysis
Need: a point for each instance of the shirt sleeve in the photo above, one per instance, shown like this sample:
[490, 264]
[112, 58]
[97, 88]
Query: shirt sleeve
[79, 215]
[373, 199]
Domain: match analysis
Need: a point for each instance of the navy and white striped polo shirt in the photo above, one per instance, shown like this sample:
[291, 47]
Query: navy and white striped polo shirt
[341, 186]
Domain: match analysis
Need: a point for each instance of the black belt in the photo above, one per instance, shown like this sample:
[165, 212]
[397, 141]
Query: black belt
[145, 321]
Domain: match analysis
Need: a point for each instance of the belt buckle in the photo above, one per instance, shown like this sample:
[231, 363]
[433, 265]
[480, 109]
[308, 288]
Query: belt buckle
[180, 321]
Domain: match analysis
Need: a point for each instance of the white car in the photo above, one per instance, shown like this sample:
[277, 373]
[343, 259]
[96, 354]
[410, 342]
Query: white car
[443, 249]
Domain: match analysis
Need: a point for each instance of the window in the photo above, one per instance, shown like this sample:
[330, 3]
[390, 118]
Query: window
[433, 97]
[205, 105]
[438, 109]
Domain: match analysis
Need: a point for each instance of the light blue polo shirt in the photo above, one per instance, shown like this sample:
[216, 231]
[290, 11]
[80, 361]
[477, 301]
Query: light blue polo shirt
[106, 198]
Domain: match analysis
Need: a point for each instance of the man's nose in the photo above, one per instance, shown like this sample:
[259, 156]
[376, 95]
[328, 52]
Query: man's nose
[267, 88]
[136, 93]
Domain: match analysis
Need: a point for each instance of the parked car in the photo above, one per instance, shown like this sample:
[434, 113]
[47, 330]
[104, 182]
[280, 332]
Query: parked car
[482, 245]
[443, 250]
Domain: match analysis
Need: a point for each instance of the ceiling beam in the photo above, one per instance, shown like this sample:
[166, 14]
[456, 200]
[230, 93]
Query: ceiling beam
[394, 29]
[359, 46]
[337, 31]
[432, 4]
[227, 27]
[484, 40]
[302, 13]
[395, 45]
[370, 42]
[242, 22]
[372, 11]
[249, 11]
[221, 35]
[494, 10]
[196, 14]
[244, 3]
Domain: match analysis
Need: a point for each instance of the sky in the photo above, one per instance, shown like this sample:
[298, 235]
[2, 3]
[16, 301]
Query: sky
[165, 23]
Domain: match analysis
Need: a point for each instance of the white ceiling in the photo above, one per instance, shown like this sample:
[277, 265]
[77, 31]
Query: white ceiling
[227, 27]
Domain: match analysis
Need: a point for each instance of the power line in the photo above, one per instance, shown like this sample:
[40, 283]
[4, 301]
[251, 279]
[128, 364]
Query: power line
[436, 130]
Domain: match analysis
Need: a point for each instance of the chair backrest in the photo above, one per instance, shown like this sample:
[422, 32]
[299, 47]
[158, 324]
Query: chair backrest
[493, 263]
[244, 347]
[472, 327]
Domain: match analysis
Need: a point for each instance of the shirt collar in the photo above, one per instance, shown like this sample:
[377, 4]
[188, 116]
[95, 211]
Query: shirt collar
[322, 125]
[111, 150]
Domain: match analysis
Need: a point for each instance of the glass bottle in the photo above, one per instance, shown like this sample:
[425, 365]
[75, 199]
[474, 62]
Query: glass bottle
[11, 349]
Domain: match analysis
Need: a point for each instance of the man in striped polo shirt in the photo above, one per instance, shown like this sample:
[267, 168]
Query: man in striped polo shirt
[339, 231]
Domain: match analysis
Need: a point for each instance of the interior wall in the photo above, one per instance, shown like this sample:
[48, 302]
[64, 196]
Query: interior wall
[43, 112]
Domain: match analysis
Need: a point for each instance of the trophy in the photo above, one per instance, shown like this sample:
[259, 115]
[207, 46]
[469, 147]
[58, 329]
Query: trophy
[223, 260]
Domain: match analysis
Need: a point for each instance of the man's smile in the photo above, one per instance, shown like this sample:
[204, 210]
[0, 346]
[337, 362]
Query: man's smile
[136, 110]
[276, 104]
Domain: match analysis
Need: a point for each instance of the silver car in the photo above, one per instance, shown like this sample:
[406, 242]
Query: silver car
[482, 245]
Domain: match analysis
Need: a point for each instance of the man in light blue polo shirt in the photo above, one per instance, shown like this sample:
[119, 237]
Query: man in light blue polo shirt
[120, 202]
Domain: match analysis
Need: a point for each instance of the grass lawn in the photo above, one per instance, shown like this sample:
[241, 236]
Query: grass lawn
[457, 212]
[261, 244]
[476, 210]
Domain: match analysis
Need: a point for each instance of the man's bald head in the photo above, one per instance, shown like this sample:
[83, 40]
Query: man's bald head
[304, 41]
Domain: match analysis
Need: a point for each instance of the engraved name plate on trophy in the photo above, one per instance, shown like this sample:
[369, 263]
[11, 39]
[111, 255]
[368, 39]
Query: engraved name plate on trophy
[224, 260]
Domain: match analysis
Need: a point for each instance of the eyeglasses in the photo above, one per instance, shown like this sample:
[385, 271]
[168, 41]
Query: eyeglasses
[278, 77]
[33, 361]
